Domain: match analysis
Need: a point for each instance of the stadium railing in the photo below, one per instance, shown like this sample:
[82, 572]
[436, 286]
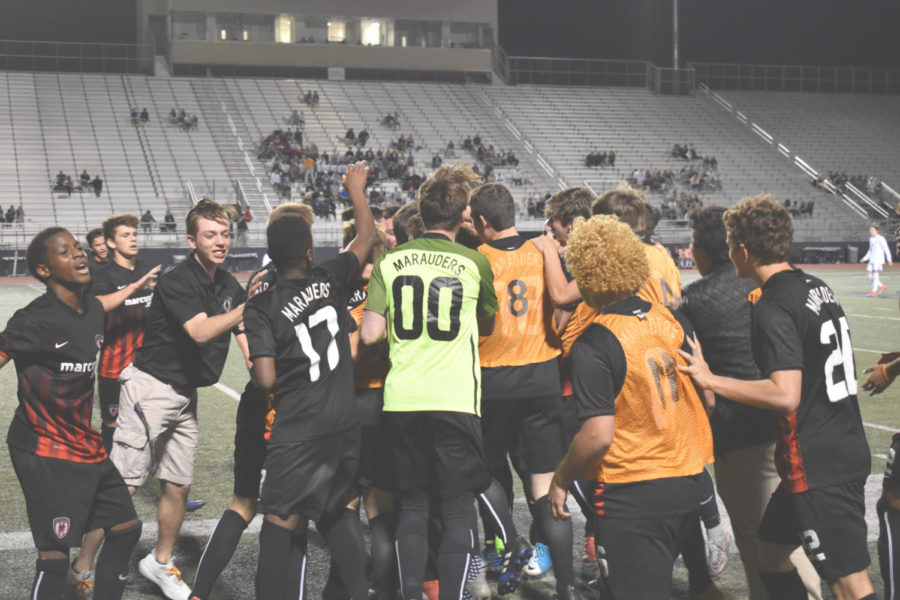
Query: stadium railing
[797, 78]
[18, 55]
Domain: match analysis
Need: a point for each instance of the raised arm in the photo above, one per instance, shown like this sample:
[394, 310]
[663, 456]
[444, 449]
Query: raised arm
[562, 292]
[355, 182]
[115, 299]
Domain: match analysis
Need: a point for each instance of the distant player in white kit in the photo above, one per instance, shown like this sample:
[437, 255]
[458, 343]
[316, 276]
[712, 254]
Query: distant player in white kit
[878, 254]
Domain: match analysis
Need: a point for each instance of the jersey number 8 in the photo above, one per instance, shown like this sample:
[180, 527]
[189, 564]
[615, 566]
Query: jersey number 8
[417, 286]
[842, 355]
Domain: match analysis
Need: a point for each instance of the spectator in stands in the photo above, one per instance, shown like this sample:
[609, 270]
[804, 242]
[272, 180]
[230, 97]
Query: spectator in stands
[10, 216]
[436, 161]
[69, 187]
[97, 184]
[20, 215]
[145, 116]
[242, 229]
[363, 137]
[315, 99]
[85, 178]
[350, 136]
[147, 221]
[135, 120]
[296, 120]
[450, 152]
[173, 117]
[168, 222]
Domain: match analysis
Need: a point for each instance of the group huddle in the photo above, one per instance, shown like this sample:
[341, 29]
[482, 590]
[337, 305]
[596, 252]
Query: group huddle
[439, 351]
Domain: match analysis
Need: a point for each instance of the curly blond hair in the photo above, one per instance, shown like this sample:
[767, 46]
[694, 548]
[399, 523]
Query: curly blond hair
[763, 226]
[606, 257]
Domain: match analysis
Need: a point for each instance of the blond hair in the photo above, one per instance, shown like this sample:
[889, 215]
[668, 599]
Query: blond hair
[606, 257]
[303, 211]
[443, 198]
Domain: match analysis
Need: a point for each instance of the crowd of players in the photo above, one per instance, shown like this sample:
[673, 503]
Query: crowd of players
[408, 375]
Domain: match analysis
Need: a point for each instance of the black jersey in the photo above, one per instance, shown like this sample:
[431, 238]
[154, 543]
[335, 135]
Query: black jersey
[168, 352]
[55, 349]
[798, 324]
[304, 325]
[124, 330]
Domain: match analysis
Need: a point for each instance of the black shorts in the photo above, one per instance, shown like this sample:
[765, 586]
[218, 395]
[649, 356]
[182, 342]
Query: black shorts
[891, 472]
[375, 456]
[829, 522]
[311, 478]
[108, 394]
[66, 499]
[436, 452]
[249, 442]
[638, 554]
[532, 429]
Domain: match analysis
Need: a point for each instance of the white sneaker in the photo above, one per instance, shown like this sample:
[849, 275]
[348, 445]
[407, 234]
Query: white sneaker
[167, 577]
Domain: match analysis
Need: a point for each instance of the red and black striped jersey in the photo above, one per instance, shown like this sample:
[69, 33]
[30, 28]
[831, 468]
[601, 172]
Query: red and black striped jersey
[55, 352]
[124, 329]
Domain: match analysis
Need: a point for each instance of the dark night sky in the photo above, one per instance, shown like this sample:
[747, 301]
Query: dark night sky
[811, 32]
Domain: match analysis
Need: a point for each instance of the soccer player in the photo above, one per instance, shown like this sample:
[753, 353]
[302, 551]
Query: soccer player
[70, 486]
[743, 436]
[645, 435]
[888, 507]
[801, 344]
[877, 256]
[249, 449]
[432, 298]
[99, 251]
[194, 306]
[521, 397]
[300, 350]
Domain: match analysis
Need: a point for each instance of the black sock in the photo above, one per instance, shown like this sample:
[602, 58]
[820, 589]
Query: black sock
[493, 500]
[296, 576]
[709, 508]
[274, 560]
[381, 537]
[345, 542]
[693, 551]
[218, 552]
[889, 538]
[558, 537]
[412, 545]
[457, 544]
[112, 564]
[334, 588]
[784, 586]
[106, 434]
[50, 579]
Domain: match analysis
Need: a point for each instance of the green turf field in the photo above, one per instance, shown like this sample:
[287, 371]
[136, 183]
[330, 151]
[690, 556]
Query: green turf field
[874, 322]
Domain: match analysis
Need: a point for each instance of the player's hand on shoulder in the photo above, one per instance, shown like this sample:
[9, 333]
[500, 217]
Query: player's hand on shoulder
[256, 283]
[697, 366]
[545, 243]
[356, 177]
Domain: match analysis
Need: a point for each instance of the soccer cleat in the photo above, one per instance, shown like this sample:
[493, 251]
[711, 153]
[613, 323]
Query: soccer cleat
[511, 574]
[873, 293]
[492, 555]
[167, 577]
[431, 589]
[540, 561]
[477, 587]
[79, 583]
[717, 541]
[590, 550]
[193, 505]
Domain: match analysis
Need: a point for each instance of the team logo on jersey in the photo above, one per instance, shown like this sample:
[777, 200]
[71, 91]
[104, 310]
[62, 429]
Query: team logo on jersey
[113, 410]
[61, 527]
[226, 304]
[99, 340]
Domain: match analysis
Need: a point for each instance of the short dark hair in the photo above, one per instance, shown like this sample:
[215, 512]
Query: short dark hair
[401, 219]
[390, 211]
[763, 226]
[92, 235]
[651, 218]
[443, 198]
[627, 204]
[709, 233]
[569, 204]
[205, 208]
[348, 234]
[37, 248]
[494, 202]
[288, 239]
[115, 221]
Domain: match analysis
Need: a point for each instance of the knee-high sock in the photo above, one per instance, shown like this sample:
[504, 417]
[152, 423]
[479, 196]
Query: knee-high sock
[693, 550]
[709, 508]
[493, 500]
[558, 537]
[457, 544]
[218, 552]
[296, 576]
[784, 586]
[381, 538]
[274, 560]
[876, 281]
[345, 541]
[50, 579]
[112, 564]
[411, 545]
[889, 548]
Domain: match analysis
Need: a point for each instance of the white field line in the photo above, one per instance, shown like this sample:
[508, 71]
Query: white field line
[859, 316]
[227, 391]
